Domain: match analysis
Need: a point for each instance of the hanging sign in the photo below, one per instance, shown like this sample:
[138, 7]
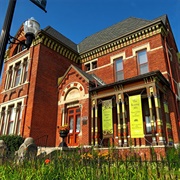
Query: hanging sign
[40, 3]
[107, 124]
[136, 119]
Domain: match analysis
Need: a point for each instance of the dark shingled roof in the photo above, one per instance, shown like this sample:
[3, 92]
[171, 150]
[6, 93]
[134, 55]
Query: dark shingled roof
[114, 32]
[102, 37]
[60, 37]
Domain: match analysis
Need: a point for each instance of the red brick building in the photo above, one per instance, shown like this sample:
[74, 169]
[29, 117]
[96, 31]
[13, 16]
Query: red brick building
[118, 86]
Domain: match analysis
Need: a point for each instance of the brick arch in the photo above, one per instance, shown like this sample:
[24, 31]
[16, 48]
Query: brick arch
[5, 98]
[73, 86]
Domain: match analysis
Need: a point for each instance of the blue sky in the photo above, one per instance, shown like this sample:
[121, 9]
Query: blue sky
[77, 19]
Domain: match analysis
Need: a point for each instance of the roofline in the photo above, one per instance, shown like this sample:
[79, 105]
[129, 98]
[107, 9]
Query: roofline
[74, 67]
[44, 32]
[133, 79]
[150, 24]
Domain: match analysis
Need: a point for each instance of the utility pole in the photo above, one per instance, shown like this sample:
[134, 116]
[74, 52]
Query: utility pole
[5, 31]
[7, 26]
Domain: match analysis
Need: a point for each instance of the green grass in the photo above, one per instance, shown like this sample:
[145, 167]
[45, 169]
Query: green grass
[84, 164]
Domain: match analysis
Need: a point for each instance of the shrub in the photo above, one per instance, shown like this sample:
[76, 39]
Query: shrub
[12, 142]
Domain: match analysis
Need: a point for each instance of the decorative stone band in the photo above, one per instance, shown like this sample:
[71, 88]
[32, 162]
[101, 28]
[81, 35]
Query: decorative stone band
[58, 47]
[124, 41]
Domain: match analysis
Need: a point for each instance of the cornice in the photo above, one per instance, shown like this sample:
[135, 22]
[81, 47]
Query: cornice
[57, 47]
[123, 41]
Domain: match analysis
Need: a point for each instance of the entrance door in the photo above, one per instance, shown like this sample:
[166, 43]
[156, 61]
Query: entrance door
[74, 125]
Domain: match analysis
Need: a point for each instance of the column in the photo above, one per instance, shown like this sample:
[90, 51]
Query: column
[2, 117]
[6, 120]
[118, 99]
[8, 79]
[124, 121]
[158, 115]
[96, 125]
[92, 121]
[149, 94]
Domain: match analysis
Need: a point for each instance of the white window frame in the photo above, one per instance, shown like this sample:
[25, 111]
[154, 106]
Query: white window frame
[113, 60]
[11, 75]
[144, 63]
[121, 70]
[17, 106]
[90, 63]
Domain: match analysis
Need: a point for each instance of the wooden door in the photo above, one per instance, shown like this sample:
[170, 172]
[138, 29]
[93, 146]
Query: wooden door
[74, 125]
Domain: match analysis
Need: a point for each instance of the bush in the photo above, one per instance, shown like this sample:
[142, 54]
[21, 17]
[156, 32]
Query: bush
[12, 142]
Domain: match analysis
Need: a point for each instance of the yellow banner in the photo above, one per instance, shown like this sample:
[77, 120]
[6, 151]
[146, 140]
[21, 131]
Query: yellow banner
[107, 122]
[136, 119]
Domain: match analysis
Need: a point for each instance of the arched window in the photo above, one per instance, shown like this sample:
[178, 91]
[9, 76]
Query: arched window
[20, 47]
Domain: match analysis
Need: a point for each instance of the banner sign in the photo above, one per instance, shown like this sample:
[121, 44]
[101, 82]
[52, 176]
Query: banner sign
[136, 118]
[107, 120]
[40, 3]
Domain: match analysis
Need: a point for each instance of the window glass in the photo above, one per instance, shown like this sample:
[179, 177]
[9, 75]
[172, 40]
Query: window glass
[78, 123]
[94, 64]
[19, 48]
[11, 120]
[19, 115]
[71, 124]
[25, 71]
[142, 61]
[142, 57]
[91, 65]
[119, 69]
[87, 67]
[143, 68]
[148, 124]
[18, 73]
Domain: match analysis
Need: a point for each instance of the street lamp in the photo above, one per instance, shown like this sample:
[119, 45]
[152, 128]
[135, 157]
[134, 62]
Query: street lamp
[31, 27]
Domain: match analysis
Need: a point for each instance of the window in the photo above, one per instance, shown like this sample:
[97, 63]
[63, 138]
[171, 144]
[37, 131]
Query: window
[11, 119]
[10, 122]
[94, 64]
[2, 121]
[119, 74]
[19, 48]
[9, 77]
[142, 61]
[25, 69]
[87, 67]
[19, 117]
[17, 73]
[91, 65]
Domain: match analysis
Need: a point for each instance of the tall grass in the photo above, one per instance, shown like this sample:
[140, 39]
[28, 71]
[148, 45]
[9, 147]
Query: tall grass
[88, 164]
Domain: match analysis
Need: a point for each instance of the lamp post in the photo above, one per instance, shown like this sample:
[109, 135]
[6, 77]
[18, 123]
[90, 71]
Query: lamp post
[5, 31]
[30, 28]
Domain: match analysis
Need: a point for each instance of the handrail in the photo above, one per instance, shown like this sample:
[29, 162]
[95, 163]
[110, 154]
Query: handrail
[39, 141]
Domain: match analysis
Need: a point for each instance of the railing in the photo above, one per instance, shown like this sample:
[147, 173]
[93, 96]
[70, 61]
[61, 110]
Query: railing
[41, 141]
